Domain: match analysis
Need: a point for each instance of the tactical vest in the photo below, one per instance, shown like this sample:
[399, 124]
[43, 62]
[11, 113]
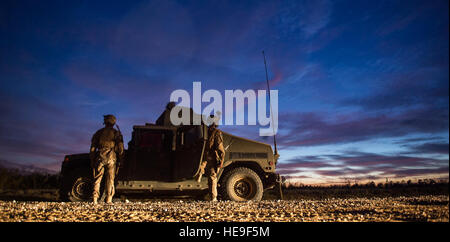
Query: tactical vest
[212, 138]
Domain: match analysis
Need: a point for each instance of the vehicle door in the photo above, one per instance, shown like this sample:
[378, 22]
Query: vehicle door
[190, 144]
[153, 155]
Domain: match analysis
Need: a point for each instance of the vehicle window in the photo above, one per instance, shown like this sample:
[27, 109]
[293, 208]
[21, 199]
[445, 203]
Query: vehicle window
[192, 135]
[152, 140]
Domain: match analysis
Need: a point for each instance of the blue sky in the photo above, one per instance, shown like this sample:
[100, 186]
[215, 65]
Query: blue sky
[363, 85]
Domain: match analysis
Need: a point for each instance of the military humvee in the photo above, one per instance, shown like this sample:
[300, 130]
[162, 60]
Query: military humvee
[167, 158]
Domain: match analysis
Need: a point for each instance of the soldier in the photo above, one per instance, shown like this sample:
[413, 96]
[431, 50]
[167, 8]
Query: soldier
[215, 154]
[106, 148]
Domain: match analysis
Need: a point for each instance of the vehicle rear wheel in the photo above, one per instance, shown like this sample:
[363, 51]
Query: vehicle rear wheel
[242, 184]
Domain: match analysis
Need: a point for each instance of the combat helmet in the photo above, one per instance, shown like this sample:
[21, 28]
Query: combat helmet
[170, 105]
[109, 119]
[213, 121]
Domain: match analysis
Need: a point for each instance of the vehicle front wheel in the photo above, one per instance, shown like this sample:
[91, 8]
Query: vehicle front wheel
[79, 187]
[242, 184]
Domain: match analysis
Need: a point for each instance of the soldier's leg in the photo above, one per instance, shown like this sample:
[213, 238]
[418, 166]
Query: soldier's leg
[109, 181]
[212, 183]
[98, 175]
[208, 174]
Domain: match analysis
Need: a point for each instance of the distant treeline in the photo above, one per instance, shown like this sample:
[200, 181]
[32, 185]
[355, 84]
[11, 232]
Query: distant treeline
[14, 179]
[370, 189]
[372, 184]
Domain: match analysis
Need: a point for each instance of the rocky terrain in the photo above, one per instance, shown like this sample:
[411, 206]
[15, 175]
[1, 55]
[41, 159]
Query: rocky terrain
[378, 209]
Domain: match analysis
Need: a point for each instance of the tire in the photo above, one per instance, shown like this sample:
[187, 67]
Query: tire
[242, 184]
[78, 187]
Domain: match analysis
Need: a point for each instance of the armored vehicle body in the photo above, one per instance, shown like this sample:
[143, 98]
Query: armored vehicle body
[164, 158]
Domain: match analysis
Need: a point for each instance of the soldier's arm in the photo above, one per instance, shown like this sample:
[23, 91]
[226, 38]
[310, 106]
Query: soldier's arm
[119, 144]
[94, 142]
[219, 148]
[94, 145]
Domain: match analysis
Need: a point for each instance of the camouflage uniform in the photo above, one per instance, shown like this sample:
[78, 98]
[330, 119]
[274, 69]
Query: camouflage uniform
[215, 154]
[106, 145]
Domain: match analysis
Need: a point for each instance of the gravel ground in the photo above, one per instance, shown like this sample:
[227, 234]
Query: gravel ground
[419, 208]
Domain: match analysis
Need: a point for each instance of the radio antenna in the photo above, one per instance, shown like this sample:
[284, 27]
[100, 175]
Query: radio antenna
[270, 105]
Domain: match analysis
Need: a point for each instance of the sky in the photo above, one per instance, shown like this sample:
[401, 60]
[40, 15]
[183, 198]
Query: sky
[363, 86]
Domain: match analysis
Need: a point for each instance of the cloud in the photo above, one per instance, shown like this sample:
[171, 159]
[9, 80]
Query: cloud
[116, 81]
[38, 131]
[406, 76]
[305, 17]
[308, 129]
[404, 173]
[155, 32]
[365, 160]
[430, 148]
[399, 23]
[322, 39]
[363, 166]
[402, 90]
[342, 172]
[273, 82]
[287, 171]
[305, 162]
[418, 139]
[405, 17]
[297, 177]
